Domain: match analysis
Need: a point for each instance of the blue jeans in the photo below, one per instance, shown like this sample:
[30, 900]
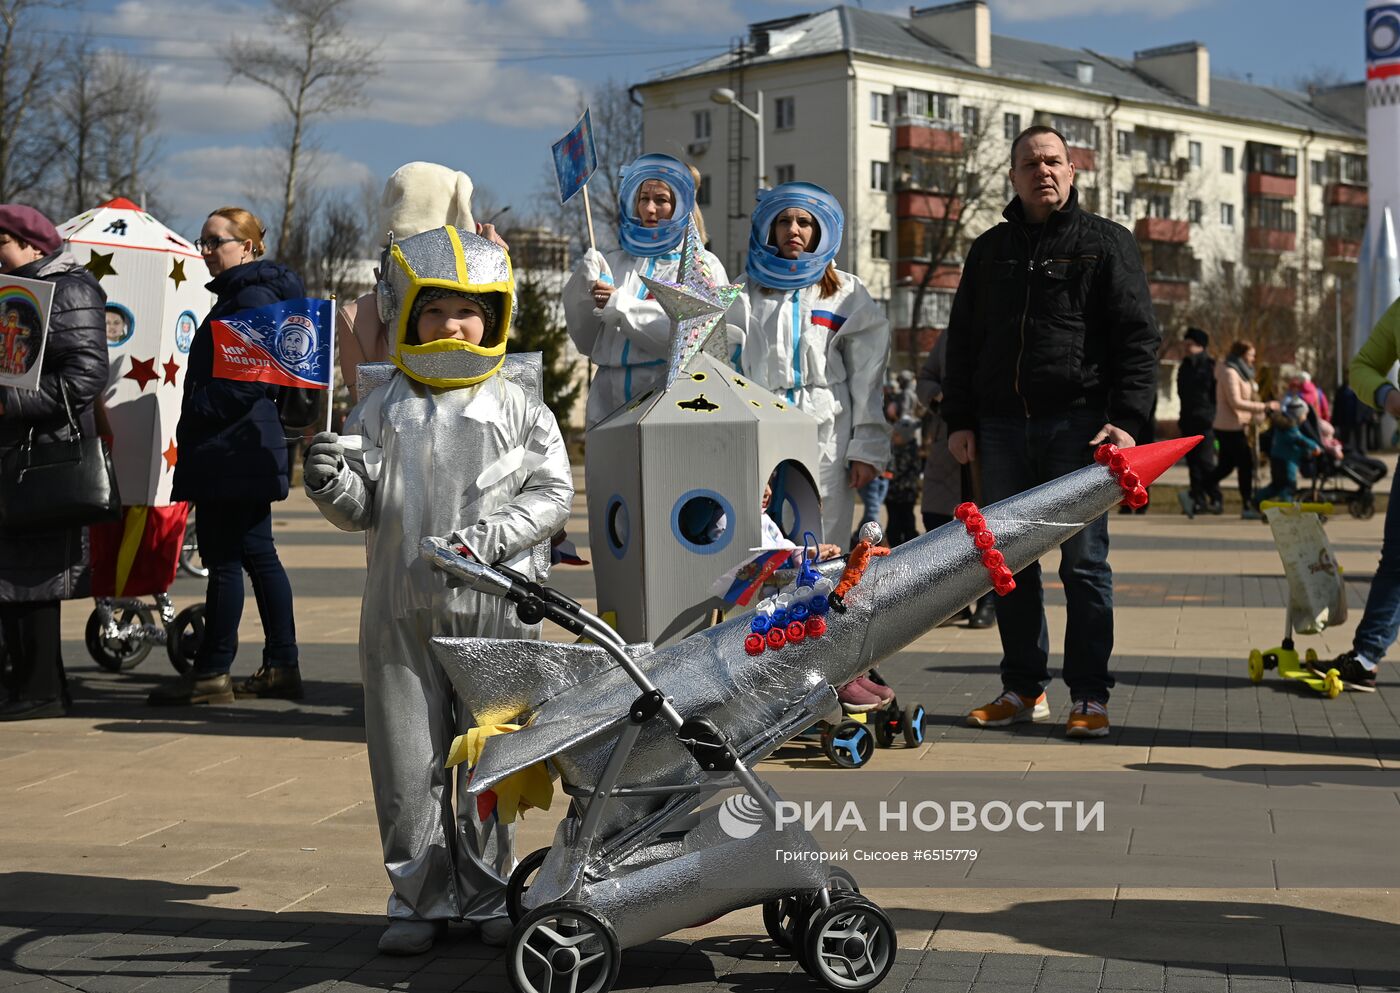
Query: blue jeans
[234, 536]
[1018, 453]
[1376, 632]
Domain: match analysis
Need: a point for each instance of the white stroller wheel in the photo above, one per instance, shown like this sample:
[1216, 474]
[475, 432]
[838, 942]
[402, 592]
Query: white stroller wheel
[849, 945]
[563, 948]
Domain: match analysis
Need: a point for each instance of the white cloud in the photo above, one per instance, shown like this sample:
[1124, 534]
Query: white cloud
[1049, 10]
[198, 180]
[671, 17]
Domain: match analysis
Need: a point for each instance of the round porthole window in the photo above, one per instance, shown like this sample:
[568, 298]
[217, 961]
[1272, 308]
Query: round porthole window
[702, 521]
[617, 526]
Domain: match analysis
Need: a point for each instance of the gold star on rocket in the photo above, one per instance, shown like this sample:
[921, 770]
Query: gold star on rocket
[101, 265]
[177, 272]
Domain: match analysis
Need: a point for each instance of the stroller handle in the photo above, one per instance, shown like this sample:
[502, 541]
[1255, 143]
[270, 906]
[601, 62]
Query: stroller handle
[481, 578]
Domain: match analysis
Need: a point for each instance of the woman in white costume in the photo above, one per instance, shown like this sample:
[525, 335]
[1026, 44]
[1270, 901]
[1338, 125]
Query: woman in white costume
[813, 335]
[611, 315]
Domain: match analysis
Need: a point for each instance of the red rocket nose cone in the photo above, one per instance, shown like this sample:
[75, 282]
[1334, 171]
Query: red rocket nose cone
[120, 203]
[1150, 461]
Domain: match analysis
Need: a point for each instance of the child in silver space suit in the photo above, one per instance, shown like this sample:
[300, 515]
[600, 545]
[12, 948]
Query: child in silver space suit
[446, 449]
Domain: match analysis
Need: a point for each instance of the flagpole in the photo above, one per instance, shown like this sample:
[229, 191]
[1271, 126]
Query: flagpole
[330, 373]
[588, 213]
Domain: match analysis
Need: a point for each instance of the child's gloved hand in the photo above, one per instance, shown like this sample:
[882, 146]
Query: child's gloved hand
[324, 458]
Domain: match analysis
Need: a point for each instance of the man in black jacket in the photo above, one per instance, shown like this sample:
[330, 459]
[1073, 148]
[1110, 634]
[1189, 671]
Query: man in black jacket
[1195, 386]
[1052, 351]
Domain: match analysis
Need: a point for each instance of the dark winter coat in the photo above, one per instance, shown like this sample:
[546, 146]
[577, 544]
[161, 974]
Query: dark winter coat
[1195, 386]
[230, 440]
[1050, 318]
[53, 565]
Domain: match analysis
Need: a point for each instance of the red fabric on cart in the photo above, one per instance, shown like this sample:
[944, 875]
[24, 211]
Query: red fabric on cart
[157, 556]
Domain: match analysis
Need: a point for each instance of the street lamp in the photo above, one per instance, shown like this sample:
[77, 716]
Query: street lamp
[492, 218]
[724, 95]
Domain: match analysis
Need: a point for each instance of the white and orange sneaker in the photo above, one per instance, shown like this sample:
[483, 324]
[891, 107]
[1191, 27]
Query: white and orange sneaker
[1087, 719]
[1009, 708]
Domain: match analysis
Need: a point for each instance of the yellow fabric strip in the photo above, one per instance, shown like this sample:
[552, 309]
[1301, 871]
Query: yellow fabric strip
[134, 529]
[532, 787]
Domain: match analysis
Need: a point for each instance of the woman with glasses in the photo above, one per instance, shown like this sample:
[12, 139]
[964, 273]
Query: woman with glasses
[232, 465]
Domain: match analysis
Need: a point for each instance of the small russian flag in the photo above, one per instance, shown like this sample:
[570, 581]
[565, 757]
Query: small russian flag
[828, 319]
[749, 579]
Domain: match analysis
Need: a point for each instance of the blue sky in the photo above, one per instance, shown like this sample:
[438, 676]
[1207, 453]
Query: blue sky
[486, 85]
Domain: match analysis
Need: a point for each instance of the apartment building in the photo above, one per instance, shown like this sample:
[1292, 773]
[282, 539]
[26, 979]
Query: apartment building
[909, 120]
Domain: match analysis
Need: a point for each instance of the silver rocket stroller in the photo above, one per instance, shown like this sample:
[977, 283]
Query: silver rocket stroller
[632, 863]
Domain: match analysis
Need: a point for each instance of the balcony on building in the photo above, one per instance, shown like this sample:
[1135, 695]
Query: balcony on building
[1270, 171]
[1267, 297]
[927, 134]
[1347, 182]
[1271, 225]
[1169, 263]
[1341, 250]
[1163, 230]
[1344, 227]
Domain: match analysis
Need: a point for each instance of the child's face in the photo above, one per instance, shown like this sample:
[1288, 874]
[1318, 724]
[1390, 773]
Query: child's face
[452, 317]
[767, 495]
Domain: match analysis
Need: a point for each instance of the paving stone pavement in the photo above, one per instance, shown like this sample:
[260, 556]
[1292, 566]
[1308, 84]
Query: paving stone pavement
[233, 849]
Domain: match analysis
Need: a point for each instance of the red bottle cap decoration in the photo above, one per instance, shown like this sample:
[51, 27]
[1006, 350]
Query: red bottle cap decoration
[975, 523]
[962, 510]
[983, 539]
[1105, 452]
[992, 558]
[776, 638]
[816, 627]
[1130, 480]
[1134, 493]
[753, 644]
[796, 631]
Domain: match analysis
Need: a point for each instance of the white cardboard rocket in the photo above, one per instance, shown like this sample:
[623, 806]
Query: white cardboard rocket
[154, 281]
[675, 479]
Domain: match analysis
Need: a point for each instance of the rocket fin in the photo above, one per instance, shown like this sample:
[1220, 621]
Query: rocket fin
[502, 681]
[505, 754]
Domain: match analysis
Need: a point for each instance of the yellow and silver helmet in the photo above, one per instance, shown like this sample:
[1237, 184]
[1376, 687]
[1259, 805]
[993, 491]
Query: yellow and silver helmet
[460, 262]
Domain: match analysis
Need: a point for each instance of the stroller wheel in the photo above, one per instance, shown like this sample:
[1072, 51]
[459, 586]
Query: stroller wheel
[849, 945]
[183, 636]
[520, 881]
[914, 725]
[1362, 507]
[885, 724]
[563, 946]
[849, 744]
[808, 907]
[838, 878]
[780, 919]
[126, 650]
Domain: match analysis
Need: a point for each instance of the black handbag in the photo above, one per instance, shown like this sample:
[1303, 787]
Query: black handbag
[53, 485]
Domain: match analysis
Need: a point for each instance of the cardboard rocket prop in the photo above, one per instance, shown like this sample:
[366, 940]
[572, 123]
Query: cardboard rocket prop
[676, 478]
[734, 691]
[1378, 268]
[154, 281]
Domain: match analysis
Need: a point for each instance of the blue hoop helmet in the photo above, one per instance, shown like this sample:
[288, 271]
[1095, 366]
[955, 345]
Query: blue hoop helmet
[667, 235]
[769, 268]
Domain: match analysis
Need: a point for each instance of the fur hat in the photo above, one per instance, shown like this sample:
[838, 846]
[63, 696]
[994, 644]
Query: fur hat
[1198, 336]
[421, 196]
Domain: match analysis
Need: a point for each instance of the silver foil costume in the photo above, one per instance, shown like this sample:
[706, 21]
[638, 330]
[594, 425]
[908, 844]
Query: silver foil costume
[480, 465]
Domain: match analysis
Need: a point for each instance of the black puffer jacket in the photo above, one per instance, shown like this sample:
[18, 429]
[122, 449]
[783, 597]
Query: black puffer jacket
[53, 565]
[1049, 318]
[230, 438]
[1195, 386]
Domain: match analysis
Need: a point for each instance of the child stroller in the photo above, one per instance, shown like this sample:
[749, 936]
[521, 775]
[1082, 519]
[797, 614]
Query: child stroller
[133, 558]
[1316, 595]
[632, 863]
[1332, 478]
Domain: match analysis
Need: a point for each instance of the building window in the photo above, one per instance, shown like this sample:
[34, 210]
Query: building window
[972, 120]
[785, 174]
[1319, 171]
[1079, 132]
[784, 113]
[879, 244]
[1088, 198]
[1227, 159]
[702, 125]
[880, 176]
[1010, 126]
[702, 192]
[1125, 143]
[1193, 151]
[1227, 215]
[936, 310]
[1195, 210]
[1123, 204]
[1227, 273]
[1315, 225]
[1160, 205]
[880, 108]
[921, 103]
[1344, 167]
[1272, 160]
[1273, 213]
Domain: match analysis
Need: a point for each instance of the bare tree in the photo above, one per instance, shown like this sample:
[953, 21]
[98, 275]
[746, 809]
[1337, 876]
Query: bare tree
[26, 141]
[316, 70]
[957, 179]
[104, 126]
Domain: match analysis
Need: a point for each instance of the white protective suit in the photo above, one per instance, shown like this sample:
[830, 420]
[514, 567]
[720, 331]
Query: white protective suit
[630, 338]
[828, 356]
[481, 465]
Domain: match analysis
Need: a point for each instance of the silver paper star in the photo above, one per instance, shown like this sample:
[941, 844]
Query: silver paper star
[695, 303]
